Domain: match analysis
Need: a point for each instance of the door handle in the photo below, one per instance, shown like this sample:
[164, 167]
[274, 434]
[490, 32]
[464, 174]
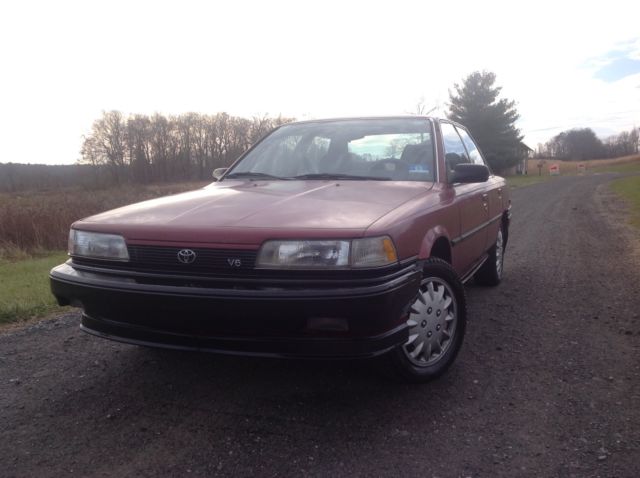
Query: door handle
[485, 197]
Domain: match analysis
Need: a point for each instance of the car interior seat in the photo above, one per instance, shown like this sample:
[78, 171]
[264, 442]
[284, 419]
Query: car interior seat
[419, 159]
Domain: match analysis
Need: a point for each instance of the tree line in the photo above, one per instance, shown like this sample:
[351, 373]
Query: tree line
[157, 148]
[582, 143]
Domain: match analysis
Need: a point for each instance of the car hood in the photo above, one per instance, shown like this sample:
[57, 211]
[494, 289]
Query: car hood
[235, 211]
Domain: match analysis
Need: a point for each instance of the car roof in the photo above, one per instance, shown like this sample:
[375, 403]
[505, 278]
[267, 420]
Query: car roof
[351, 118]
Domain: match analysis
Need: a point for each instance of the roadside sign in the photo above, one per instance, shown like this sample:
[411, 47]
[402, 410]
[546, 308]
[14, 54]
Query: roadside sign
[554, 169]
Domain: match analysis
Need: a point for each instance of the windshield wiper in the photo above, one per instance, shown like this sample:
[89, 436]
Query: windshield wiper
[339, 176]
[251, 175]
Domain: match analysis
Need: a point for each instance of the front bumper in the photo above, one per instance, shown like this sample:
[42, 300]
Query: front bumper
[295, 318]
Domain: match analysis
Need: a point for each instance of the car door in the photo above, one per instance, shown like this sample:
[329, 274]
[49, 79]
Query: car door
[471, 202]
[493, 188]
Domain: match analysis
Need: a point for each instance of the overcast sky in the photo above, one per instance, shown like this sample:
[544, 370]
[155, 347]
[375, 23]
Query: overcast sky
[567, 64]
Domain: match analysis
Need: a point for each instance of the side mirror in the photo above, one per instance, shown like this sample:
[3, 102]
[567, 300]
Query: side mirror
[219, 172]
[470, 173]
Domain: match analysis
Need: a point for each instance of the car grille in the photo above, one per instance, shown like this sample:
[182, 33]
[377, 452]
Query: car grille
[161, 259]
[213, 264]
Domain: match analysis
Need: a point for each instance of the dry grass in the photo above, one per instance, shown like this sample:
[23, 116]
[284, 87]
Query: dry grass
[571, 167]
[39, 221]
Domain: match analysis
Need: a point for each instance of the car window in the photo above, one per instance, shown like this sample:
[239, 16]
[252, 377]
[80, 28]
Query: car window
[454, 150]
[398, 149]
[474, 152]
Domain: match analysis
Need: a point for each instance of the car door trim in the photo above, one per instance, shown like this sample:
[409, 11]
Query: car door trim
[457, 240]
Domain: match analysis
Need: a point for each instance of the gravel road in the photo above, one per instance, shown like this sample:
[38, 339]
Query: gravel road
[547, 382]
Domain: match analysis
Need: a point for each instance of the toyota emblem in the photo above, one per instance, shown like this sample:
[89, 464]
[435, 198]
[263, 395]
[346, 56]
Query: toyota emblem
[186, 256]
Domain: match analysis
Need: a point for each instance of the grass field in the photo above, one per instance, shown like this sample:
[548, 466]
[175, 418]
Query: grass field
[629, 189]
[24, 288]
[632, 167]
[571, 167]
[627, 164]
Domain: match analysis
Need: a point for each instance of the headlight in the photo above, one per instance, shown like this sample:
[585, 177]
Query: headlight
[304, 254]
[97, 245]
[338, 254]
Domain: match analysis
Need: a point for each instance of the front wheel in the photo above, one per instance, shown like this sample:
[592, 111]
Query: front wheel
[437, 322]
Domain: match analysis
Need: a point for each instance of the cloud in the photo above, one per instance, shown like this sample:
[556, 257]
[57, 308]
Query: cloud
[618, 63]
[618, 69]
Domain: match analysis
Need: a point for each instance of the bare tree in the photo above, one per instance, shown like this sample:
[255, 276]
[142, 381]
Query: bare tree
[139, 146]
[159, 148]
[106, 144]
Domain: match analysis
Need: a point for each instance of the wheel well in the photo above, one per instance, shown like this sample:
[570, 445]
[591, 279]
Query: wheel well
[441, 249]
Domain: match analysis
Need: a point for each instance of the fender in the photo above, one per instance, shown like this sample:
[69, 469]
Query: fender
[430, 238]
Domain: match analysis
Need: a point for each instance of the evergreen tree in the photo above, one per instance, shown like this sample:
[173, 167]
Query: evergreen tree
[491, 121]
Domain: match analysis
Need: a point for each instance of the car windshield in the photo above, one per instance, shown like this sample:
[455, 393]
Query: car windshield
[399, 149]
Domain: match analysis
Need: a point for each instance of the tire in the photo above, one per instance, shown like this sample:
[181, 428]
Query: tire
[490, 273]
[437, 320]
